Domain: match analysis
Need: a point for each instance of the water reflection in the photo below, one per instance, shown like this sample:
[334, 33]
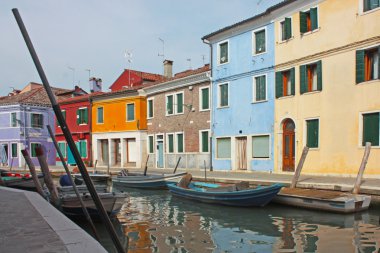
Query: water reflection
[157, 222]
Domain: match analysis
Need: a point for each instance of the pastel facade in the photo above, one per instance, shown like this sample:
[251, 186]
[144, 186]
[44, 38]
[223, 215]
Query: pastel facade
[242, 116]
[178, 112]
[328, 87]
[119, 129]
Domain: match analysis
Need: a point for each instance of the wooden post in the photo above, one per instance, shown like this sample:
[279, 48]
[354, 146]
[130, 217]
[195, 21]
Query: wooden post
[175, 169]
[299, 167]
[146, 165]
[47, 176]
[96, 162]
[359, 177]
[204, 162]
[33, 172]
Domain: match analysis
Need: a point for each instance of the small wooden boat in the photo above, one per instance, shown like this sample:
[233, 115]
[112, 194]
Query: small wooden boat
[95, 177]
[332, 201]
[232, 195]
[112, 202]
[138, 180]
[20, 181]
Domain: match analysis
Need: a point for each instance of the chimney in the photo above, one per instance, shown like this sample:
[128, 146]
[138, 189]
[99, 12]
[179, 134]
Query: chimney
[95, 84]
[168, 68]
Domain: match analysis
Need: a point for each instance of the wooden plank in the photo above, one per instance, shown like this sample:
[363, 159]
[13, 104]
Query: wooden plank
[312, 193]
[299, 167]
[359, 177]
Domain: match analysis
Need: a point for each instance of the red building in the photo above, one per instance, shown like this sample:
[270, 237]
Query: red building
[77, 112]
[133, 78]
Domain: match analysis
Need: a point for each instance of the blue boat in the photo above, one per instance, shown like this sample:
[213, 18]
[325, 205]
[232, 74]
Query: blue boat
[230, 196]
[151, 181]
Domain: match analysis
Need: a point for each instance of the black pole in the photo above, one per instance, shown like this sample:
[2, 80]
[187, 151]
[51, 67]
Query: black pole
[146, 165]
[67, 134]
[176, 166]
[84, 209]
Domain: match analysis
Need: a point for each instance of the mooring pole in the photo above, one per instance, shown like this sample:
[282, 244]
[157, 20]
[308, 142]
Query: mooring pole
[32, 169]
[359, 177]
[67, 134]
[176, 166]
[84, 209]
[146, 165]
[299, 167]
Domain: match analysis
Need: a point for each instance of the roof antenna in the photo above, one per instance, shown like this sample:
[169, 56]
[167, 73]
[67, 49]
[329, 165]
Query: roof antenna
[163, 53]
[203, 59]
[128, 57]
[189, 60]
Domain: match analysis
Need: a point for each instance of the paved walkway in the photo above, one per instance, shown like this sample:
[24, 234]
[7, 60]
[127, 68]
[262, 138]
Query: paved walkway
[30, 224]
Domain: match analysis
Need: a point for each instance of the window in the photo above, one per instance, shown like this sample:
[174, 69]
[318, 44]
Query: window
[62, 148]
[311, 77]
[312, 133]
[259, 41]
[371, 128]
[204, 141]
[309, 20]
[170, 143]
[370, 5]
[150, 144]
[37, 120]
[259, 88]
[204, 99]
[180, 143]
[100, 115]
[174, 104]
[223, 52]
[260, 146]
[285, 83]
[14, 121]
[130, 112]
[223, 95]
[169, 105]
[64, 117]
[33, 147]
[286, 29]
[150, 108]
[223, 148]
[179, 102]
[82, 116]
[82, 148]
[14, 150]
[367, 64]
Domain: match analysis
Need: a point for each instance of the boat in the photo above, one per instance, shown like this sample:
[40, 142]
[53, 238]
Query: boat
[151, 181]
[95, 177]
[19, 181]
[234, 195]
[332, 201]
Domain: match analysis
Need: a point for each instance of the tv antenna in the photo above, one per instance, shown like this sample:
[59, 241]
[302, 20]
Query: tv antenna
[73, 70]
[89, 73]
[203, 59]
[189, 60]
[128, 57]
[163, 49]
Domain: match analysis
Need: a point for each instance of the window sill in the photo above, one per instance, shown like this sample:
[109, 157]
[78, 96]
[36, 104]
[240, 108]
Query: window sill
[259, 102]
[285, 97]
[310, 32]
[311, 92]
[205, 110]
[223, 159]
[372, 147]
[369, 82]
[84, 124]
[223, 107]
[362, 13]
[99, 123]
[285, 41]
[129, 121]
[314, 149]
[258, 54]
[261, 159]
[221, 64]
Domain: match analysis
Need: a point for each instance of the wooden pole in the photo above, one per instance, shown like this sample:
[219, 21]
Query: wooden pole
[84, 209]
[96, 162]
[299, 167]
[47, 176]
[175, 169]
[359, 177]
[204, 162]
[32, 169]
[146, 165]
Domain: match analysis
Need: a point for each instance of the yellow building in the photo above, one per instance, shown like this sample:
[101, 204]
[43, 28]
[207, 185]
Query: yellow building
[327, 85]
[119, 128]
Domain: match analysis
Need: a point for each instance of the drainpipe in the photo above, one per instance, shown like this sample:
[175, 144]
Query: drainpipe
[211, 96]
[90, 132]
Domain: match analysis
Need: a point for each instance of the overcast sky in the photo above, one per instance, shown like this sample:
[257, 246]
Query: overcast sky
[95, 34]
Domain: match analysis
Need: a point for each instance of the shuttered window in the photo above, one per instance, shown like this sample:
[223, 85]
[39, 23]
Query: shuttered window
[82, 116]
[37, 120]
[180, 143]
[371, 128]
[204, 141]
[285, 83]
[62, 148]
[169, 105]
[179, 100]
[368, 64]
[82, 148]
[223, 148]
[100, 116]
[259, 42]
[223, 95]
[14, 122]
[259, 89]
[150, 108]
[312, 133]
[170, 143]
[311, 77]
[260, 146]
[223, 52]
[33, 147]
[370, 5]
[151, 144]
[286, 29]
[309, 20]
[130, 112]
[205, 99]
[64, 117]
[14, 150]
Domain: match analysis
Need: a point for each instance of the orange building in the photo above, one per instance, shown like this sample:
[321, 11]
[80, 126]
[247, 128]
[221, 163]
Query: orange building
[119, 128]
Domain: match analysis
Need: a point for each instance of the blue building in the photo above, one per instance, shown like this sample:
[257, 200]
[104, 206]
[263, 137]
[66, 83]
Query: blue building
[243, 87]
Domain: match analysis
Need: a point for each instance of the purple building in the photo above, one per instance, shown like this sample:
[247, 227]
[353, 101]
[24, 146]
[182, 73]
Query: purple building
[23, 118]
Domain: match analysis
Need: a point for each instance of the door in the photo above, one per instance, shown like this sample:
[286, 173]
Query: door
[4, 155]
[288, 145]
[117, 153]
[104, 150]
[131, 150]
[160, 151]
[70, 156]
[241, 153]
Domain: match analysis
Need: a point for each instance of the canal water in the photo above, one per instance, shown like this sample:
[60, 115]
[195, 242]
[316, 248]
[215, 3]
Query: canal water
[155, 221]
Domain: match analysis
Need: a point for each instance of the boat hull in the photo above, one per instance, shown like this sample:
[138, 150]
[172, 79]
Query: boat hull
[252, 197]
[24, 183]
[147, 182]
[96, 178]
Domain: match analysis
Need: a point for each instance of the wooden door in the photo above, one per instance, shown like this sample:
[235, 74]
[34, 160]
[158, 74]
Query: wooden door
[288, 146]
[117, 151]
[241, 153]
[104, 151]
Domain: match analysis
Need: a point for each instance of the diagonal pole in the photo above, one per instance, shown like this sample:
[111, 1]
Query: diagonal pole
[66, 132]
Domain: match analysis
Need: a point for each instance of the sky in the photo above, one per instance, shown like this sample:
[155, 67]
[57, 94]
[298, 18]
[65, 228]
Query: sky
[75, 39]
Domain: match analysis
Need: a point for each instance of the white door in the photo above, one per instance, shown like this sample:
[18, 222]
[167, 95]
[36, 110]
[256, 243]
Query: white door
[132, 150]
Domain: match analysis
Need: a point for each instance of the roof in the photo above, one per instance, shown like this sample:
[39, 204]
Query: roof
[132, 90]
[37, 96]
[79, 98]
[266, 12]
[145, 76]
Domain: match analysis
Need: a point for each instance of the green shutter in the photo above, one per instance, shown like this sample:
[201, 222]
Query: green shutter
[293, 80]
[151, 144]
[374, 4]
[179, 103]
[14, 149]
[303, 22]
[223, 148]
[130, 112]
[314, 18]
[83, 149]
[85, 115]
[171, 143]
[303, 81]
[260, 42]
[180, 143]
[205, 98]
[367, 5]
[288, 28]
[312, 133]
[170, 104]
[359, 66]
[150, 108]
[78, 117]
[64, 115]
[279, 85]
[205, 141]
[371, 128]
[319, 75]
[223, 94]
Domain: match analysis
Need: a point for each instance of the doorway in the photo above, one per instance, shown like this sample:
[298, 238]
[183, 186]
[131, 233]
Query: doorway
[4, 155]
[288, 145]
[241, 153]
[131, 151]
[160, 151]
[104, 151]
[117, 151]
